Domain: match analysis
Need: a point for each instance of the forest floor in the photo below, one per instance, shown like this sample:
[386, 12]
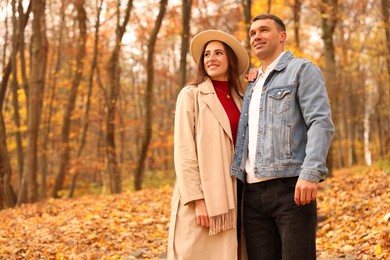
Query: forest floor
[353, 207]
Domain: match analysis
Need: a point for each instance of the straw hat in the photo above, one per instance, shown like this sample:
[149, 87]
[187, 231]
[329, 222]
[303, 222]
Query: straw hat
[204, 37]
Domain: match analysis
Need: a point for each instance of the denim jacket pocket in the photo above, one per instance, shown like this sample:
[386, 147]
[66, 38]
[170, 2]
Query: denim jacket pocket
[280, 99]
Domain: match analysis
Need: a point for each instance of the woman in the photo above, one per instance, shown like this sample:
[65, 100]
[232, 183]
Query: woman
[204, 203]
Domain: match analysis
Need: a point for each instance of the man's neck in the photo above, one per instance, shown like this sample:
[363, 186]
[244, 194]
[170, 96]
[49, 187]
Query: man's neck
[266, 62]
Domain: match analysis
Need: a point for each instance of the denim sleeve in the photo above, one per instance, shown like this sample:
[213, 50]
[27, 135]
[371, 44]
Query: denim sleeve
[316, 111]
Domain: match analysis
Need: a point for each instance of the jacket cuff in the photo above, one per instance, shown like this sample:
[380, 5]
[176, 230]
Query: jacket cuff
[311, 175]
[189, 199]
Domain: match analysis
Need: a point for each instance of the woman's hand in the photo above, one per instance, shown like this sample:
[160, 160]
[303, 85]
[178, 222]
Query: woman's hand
[252, 74]
[202, 217]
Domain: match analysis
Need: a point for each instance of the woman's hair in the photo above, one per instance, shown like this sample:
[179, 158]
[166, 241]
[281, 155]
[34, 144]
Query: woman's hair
[233, 76]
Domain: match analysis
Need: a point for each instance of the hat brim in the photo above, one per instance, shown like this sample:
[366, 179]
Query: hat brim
[199, 40]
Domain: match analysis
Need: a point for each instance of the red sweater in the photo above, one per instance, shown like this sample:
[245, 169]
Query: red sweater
[226, 99]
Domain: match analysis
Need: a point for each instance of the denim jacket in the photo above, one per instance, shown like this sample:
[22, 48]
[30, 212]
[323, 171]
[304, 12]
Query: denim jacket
[295, 124]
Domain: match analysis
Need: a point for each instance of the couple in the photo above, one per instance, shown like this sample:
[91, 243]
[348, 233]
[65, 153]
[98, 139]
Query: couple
[260, 155]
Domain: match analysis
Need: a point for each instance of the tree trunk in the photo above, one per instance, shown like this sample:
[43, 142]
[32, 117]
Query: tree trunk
[4, 83]
[114, 74]
[269, 7]
[50, 107]
[8, 68]
[297, 18]
[7, 195]
[345, 107]
[328, 9]
[148, 98]
[350, 124]
[88, 105]
[22, 24]
[8, 198]
[28, 191]
[186, 17]
[341, 110]
[386, 21]
[15, 86]
[248, 20]
[366, 126]
[81, 50]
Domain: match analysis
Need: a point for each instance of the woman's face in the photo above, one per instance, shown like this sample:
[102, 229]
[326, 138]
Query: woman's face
[216, 61]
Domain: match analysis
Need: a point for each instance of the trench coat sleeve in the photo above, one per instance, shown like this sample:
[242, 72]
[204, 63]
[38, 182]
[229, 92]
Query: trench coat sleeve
[185, 152]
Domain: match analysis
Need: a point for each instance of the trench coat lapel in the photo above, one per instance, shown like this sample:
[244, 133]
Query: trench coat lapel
[212, 101]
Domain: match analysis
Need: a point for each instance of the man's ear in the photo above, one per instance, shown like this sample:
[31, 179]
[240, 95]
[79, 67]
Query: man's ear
[283, 36]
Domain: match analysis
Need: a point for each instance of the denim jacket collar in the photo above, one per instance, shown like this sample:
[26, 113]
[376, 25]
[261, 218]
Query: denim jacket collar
[282, 64]
[284, 60]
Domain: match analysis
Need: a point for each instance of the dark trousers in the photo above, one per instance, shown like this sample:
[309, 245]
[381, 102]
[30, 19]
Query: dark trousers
[275, 227]
[240, 188]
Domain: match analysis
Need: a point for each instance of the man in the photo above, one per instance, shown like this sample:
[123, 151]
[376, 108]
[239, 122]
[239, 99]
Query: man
[283, 138]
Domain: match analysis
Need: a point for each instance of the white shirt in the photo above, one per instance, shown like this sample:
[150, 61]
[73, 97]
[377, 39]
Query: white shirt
[253, 121]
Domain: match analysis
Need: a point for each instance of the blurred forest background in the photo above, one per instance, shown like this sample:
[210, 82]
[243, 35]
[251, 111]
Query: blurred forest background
[88, 87]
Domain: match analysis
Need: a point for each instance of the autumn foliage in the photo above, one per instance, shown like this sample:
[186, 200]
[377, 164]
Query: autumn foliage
[354, 217]
[100, 106]
[354, 210]
[127, 226]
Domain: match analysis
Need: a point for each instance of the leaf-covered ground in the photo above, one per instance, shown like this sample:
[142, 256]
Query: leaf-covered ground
[354, 207]
[126, 226]
[354, 213]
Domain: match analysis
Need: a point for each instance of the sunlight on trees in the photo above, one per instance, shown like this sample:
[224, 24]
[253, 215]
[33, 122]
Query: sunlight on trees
[107, 97]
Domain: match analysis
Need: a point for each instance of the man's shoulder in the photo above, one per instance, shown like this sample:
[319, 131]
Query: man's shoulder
[288, 61]
[300, 60]
[302, 63]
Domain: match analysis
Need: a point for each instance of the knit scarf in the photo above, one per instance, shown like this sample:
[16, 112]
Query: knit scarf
[220, 202]
[222, 222]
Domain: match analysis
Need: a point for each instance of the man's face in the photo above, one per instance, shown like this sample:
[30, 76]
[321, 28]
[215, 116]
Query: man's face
[266, 39]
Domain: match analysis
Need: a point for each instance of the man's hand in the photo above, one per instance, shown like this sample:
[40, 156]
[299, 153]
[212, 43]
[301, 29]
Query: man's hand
[202, 217]
[305, 192]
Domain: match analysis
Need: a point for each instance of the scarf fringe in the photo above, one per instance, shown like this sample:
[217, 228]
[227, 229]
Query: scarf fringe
[222, 222]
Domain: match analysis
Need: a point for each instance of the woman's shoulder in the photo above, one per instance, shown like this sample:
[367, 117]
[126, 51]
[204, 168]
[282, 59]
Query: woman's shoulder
[189, 90]
[187, 94]
[195, 89]
[191, 87]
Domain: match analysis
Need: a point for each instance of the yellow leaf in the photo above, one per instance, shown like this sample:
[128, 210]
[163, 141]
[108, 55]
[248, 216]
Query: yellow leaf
[378, 250]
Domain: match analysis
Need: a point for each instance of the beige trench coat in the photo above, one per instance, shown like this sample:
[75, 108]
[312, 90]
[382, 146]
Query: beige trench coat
[209, 148]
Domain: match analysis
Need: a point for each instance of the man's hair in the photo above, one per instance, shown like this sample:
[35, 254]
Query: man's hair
[276, 19]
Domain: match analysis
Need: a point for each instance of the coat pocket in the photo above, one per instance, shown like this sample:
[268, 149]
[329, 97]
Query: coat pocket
[280, 99]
